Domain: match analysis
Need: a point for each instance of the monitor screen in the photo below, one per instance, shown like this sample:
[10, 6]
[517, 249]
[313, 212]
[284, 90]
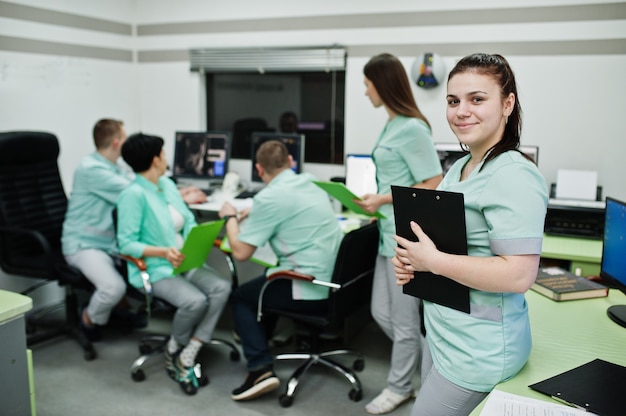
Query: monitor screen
[293, 141]
[613, 266]
[201, 155]
[450, 152]
[361, 174]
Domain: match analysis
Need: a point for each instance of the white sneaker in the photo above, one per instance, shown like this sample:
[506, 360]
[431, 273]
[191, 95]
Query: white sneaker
[386, 402]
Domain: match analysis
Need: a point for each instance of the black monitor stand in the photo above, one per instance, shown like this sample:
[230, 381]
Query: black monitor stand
[618, 314]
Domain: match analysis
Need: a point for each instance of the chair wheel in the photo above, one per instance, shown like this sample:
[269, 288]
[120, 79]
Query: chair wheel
[90, 355]
[285, 401]
[139, 375]
[359, 364]
[355, 395]
[234, 355]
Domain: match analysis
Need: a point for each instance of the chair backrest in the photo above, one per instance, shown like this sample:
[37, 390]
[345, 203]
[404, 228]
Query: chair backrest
[31, 192]
[354, 269]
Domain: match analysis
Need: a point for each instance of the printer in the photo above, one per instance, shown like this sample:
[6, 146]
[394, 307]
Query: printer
[574, 217]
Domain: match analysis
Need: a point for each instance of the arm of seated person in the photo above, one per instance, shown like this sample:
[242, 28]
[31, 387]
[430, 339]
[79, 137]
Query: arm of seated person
[172, 254]
[241, 251]
[193, 195]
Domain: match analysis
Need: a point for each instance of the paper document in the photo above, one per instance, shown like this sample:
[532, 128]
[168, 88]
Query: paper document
[576, 184]
[198, 245]
[339, 191]
[500, 403]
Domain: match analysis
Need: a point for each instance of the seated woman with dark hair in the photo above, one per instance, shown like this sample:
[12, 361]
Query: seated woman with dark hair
[153, 221]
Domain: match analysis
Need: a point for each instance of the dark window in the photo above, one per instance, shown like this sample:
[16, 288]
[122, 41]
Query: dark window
[247, 102]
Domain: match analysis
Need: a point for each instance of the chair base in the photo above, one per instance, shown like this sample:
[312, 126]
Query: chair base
[153, 345]
[311, 359]
[70, 327]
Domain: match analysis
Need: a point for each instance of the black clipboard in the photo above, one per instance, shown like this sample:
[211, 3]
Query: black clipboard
[441, 215]
[597, 386]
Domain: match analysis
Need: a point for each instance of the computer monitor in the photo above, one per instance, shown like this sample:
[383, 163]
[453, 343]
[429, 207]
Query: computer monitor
[293, 141]
[202, 155]
[361, 174]
[451, 152]
[613, 266]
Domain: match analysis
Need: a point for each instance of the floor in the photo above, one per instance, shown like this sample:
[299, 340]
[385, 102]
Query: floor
[66, 384]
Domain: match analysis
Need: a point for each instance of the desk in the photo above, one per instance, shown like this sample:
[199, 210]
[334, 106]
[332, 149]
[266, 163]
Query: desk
[15, 392]
[566, 335]
[217, 199]
[583, 253]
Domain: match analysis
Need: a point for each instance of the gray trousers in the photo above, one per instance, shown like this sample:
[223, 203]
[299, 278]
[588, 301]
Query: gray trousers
[398, 316]
[440, 397]
[199, 297]
[99, 268]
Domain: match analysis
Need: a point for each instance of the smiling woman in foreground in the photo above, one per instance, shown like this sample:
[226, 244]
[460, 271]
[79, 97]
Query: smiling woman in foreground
[505, 204]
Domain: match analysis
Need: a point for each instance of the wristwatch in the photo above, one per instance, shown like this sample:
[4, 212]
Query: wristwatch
[227, 217]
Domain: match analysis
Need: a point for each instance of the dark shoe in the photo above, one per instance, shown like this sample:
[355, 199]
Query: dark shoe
[92, 332]
[257, 384]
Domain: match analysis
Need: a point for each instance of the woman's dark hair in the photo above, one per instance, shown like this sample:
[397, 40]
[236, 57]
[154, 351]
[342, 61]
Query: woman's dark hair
[140, 149]
[387, 74]
[497, 67]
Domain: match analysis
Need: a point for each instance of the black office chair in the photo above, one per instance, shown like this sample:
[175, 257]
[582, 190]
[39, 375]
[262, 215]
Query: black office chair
[350, 294]
[153, 345]
[32, 210]
[242, 130]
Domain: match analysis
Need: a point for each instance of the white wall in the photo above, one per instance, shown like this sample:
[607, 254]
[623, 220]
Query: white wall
[572, 103]
[65, 95]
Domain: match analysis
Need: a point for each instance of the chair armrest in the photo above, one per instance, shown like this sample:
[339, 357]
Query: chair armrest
[291, 275]
[33, 239]
[145, 278]
[139, 263]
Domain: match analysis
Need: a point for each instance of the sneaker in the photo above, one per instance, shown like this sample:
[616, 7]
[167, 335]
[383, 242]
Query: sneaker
[170, 368]
[257, 384]
[386, 402]
[186, 377]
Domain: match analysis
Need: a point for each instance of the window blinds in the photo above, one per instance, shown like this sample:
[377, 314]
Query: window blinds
[261, 60]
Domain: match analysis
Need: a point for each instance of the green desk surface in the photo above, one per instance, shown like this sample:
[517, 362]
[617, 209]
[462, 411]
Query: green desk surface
[566, 335]
[13, 304]
[571, 248]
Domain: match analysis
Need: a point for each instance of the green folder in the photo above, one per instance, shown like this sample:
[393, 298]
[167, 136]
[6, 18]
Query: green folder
[263, 255]
[339, 191]
[198, 245]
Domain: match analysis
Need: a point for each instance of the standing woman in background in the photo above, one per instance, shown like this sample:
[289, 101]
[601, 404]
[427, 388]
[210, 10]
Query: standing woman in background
[506, 198]
[404, 155]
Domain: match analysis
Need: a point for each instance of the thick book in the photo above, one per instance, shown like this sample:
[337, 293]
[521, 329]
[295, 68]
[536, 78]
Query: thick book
[559, 284]
[441, 215]
[198, 245]
[597, 386]
[339, 191]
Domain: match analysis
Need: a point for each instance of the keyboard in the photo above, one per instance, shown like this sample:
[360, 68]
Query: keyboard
[246, 194]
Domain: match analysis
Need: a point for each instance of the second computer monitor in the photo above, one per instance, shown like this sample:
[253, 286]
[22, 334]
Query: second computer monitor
[361, 174]
[293, 142]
